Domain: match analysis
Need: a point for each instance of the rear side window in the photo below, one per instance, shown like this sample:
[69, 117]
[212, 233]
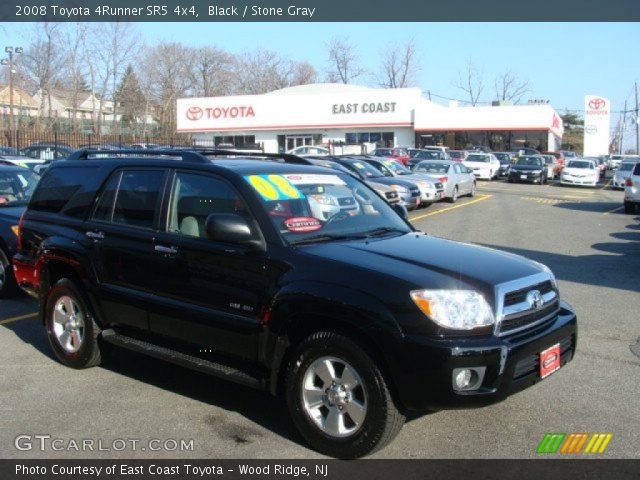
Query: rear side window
[131, 197]
[636, 171]
[58, 186]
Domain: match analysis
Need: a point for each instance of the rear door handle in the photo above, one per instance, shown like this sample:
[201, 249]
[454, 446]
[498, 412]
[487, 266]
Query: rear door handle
[95, 235]
[165, 250]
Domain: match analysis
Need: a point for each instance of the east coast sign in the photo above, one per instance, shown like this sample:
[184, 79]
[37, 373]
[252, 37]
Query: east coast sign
[288, 111]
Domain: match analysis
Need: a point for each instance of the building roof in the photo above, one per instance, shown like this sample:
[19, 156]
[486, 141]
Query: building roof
[20, 97]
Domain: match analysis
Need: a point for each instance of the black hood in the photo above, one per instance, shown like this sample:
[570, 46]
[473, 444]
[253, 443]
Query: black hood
[11, 213]
[430, 262]
[526, 168]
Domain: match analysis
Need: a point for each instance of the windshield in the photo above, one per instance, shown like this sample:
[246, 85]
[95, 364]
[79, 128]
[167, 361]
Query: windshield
[16, 187]
[430, 155]
[432, 167]
[503, 157]
[549, 159]
[626, 166]
[396, 167]
[580, 164]
[478, 158]
[365, 170]
[384, 152]
[530, 161]
[308, 208]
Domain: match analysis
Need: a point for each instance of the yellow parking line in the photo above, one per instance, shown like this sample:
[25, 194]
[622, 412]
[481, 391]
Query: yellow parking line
[614, 210]
[479, 199]
[20, 317]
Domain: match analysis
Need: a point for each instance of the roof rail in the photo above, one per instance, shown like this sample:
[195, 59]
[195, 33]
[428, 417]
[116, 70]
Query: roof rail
[286, 157]
[186, 155]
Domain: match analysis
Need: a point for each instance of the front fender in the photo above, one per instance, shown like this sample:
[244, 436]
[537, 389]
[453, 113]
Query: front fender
[300, 307]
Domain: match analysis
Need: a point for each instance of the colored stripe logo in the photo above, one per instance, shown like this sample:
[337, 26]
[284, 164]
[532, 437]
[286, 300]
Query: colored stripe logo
[574, 443]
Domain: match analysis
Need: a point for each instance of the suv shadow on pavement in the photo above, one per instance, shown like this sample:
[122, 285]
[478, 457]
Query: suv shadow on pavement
[596, 207]
[616, 267]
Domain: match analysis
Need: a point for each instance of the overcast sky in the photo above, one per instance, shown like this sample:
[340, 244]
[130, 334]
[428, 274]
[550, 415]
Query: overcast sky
[561, 61]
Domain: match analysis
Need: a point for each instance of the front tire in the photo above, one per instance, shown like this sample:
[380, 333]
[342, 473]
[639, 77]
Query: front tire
[339, 399]
[71, 328]
[472, 193]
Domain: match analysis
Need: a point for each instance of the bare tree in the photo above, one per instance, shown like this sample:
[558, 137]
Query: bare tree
[343, 62]
[74, 41]
[262, 71]
[302, 73]
[165, 74]
[471, 83]
[509, 87]
[212, 72]
[399, 66]
[43, 60]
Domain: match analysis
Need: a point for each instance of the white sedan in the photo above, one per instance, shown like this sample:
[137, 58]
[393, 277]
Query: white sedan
[309, 150]
[483, 165]
[580, 172]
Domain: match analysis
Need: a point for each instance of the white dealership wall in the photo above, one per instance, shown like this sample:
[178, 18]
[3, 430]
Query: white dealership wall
[333, 110]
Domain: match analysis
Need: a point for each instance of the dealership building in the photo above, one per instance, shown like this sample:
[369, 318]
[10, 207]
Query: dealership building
[351, 118]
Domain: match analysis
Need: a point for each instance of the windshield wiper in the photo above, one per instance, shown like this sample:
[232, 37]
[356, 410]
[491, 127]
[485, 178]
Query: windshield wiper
[384, 230]
[325, 238]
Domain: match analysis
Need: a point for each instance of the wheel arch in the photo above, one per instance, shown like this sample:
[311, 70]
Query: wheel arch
[297, 314]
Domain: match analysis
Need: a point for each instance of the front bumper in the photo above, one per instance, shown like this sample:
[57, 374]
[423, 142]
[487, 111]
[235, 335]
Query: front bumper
[517, 176]
[512, 364]
[482, 174]
[409, 200]
[591, 182]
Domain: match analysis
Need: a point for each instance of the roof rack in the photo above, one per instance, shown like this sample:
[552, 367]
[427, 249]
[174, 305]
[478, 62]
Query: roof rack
[187, 154]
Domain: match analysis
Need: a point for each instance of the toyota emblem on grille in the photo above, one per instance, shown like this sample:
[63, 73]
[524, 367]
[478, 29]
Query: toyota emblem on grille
[535, 300]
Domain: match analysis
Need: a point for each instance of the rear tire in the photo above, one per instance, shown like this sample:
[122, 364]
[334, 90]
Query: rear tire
[71, 328]
[8, 285]
[348, 422]
[454, 195]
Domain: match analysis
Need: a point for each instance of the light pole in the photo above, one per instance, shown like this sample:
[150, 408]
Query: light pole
[11, 51]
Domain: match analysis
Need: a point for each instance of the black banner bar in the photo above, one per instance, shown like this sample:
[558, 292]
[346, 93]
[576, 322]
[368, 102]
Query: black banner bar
[320, 469]
[318, 11]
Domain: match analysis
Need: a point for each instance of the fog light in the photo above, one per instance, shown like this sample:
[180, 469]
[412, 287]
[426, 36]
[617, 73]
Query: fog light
[467, 379]
[463, 378]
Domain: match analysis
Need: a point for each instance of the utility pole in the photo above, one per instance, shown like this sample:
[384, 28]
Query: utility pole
[9, 62]
[637, 123]
[624, 120]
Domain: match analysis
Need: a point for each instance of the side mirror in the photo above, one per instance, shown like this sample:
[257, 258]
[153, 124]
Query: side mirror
[401, 210]
[230, 228]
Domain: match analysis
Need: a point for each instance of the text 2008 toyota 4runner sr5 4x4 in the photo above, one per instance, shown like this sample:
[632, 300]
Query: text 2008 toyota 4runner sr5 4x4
[295, 279]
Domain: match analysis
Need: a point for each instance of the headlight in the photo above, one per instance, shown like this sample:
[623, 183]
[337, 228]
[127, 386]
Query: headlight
[399, 188]
[458, 309]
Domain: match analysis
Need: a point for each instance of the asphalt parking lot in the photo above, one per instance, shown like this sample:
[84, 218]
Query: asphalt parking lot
[581, 233]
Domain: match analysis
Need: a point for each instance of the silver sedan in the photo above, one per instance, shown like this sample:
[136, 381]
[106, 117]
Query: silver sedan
[457, 179]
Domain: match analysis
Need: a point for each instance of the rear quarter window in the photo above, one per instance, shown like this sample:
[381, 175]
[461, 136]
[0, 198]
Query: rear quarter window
[636, 170]
[58, 186]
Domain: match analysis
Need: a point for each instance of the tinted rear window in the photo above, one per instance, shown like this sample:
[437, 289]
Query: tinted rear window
[58, 186]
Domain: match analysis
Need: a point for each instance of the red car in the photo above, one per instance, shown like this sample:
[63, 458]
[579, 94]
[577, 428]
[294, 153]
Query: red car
[560, 157]
[397, 153]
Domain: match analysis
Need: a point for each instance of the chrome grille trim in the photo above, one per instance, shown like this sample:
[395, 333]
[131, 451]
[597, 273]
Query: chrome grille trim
[520, 309]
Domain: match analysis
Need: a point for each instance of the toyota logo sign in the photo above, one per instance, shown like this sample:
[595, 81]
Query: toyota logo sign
[194, 113]
[597, 103]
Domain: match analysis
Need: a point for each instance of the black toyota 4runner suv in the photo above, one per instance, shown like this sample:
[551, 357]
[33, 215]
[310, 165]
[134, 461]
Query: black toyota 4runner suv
[290, 278]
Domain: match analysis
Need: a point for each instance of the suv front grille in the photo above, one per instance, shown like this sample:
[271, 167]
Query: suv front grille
[517, 313]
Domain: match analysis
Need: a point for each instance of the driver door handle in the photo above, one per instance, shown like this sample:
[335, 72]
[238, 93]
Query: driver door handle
[95, 235]
[165, 250]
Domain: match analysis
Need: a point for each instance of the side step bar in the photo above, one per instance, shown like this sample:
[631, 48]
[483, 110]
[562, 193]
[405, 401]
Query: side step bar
[184, 360]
